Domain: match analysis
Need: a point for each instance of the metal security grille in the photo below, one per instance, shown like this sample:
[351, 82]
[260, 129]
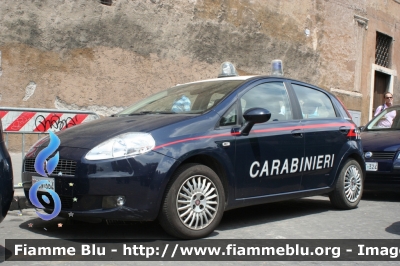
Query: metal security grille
[383, 155]
[382, 53]
[66, 167]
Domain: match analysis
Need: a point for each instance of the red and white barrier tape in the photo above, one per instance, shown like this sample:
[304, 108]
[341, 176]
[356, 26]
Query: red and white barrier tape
[32, 121]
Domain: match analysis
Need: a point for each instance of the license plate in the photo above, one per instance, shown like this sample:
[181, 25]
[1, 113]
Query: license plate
[371, 166]
[44, 186]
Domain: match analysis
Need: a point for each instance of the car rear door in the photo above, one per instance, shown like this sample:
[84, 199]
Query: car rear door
[325, 136]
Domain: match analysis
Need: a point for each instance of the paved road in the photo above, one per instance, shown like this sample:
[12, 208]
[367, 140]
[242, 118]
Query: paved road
[378, 217]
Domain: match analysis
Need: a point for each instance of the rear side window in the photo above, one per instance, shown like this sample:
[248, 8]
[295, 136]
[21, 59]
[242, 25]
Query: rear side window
[313, 103]
[271, 96]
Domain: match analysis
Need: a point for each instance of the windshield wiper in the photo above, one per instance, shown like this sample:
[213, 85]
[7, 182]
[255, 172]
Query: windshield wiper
[141, 113]
[152, 112]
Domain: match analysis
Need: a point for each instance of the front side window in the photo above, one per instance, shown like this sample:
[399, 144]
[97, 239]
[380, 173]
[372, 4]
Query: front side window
[271, 96]
[230, 117]
[192, 98]
[313, 103]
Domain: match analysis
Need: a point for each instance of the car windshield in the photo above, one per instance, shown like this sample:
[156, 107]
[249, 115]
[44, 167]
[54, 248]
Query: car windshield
[388, 119]
[191, 98]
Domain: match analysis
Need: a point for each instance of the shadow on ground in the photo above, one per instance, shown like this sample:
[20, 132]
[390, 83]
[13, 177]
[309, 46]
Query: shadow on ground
[238, 218]
[389, 196]
[394, 228]
[272, 212]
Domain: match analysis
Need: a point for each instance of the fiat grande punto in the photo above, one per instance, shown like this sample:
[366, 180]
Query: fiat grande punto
[187, 154]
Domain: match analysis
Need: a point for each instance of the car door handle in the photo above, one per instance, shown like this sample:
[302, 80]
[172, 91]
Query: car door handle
[297, 133]
[344, 130]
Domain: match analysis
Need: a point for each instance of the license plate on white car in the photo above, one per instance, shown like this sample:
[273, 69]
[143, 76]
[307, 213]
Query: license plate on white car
[44, 186]
[371, 166]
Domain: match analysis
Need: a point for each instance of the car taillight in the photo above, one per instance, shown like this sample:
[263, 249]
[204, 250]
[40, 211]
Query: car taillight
[354, 133]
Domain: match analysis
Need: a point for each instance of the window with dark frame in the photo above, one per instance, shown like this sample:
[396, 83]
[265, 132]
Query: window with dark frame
[382, 52]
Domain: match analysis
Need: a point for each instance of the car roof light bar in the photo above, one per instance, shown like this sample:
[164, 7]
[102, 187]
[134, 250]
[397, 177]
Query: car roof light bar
[227, 70]
[276, 67]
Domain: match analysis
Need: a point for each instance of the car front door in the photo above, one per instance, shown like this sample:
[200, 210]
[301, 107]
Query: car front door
[267, 161]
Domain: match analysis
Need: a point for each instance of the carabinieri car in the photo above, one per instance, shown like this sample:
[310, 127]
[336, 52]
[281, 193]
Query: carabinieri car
[187, 154]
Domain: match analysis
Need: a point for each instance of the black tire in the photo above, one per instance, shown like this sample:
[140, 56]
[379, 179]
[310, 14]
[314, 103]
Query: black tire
[185, 212]
[349, 186]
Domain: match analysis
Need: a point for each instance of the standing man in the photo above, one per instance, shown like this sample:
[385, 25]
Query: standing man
[387, 119]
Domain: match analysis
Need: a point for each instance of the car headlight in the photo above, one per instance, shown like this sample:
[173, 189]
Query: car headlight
[127, 144]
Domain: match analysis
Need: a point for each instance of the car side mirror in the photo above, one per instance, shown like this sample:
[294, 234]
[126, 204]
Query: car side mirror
[361, 128]
[254, 116]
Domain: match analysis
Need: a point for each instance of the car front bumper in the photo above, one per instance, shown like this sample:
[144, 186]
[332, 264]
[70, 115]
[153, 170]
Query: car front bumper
[389, 181]
[141, 180]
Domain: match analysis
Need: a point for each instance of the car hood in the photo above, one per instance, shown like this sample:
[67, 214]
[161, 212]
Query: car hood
[90, 134]
[380, 140]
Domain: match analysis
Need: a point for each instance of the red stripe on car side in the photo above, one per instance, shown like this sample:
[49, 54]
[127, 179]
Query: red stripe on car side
[255, 132]
[303, 127]
[196, 138]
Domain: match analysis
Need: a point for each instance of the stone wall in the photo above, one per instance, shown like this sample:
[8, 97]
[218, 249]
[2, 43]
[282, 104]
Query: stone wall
[84, 55]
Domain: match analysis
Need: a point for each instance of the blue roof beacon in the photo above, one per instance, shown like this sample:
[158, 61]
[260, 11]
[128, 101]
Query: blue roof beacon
[227, 70]
[276, 67]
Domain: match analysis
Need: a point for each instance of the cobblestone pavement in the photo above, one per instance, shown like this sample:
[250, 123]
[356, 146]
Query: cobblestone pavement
[377, 217]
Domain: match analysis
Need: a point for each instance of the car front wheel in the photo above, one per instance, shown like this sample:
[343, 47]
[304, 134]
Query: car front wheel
[194, 202]
[349, 186]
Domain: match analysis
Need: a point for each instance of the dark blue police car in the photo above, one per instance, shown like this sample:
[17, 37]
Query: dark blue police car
[6, 178]
[187, 154]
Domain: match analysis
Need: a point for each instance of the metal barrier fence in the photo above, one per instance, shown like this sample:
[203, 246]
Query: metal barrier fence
[39, 121]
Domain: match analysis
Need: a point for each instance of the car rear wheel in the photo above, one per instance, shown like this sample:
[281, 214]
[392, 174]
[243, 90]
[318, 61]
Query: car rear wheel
[194, 202]
[349, 186]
